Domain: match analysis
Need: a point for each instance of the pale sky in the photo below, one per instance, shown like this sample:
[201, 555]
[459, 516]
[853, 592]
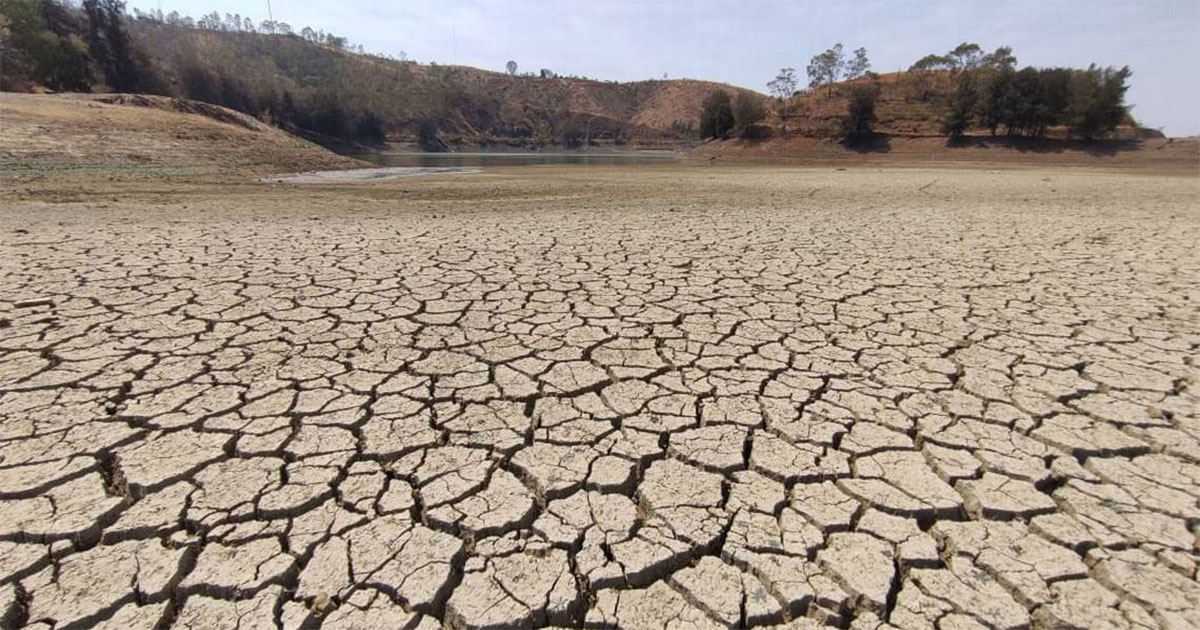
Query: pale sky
[745, 43]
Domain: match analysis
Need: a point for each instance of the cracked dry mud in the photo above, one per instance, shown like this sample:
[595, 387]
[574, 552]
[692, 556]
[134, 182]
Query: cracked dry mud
[653, 398]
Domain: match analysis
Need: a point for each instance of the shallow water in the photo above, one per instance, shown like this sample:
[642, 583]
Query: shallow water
[367, 174]
[516, 159]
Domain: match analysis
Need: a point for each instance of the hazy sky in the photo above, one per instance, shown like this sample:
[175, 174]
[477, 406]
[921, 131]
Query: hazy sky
[745, 43]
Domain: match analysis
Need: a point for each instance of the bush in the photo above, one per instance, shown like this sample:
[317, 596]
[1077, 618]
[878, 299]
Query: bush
[218, 87]
[369, 128]
[573, 136]
[716, 116]
[329, 117]
[427, 136]
[858, 125]
[748, 110]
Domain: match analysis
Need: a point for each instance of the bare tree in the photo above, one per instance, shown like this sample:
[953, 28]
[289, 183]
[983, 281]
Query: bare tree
[923, 72]
[826, 68]
[858, 66]
[783, 87]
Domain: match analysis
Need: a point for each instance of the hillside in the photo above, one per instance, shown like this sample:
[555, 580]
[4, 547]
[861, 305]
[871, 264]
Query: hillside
[317, 89]
[123, 135]
[468, 105]
[907, 106]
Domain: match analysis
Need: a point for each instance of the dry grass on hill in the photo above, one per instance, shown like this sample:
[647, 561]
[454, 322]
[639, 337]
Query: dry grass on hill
[122, 135]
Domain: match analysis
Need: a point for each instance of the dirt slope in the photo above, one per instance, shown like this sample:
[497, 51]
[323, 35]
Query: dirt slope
[122, 135]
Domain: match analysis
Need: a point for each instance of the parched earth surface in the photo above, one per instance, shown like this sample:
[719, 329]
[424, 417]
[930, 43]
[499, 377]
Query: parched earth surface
[653, 397]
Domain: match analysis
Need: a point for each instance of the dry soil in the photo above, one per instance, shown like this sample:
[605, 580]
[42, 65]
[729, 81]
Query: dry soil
[640, 397]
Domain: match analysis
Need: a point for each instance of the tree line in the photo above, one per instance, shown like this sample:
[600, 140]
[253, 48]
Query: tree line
[972, 89]
[235, 23]
[1026, 102]
[94, 47]
[91, 48]
[69, 49]
[986, 90]
[720, 116]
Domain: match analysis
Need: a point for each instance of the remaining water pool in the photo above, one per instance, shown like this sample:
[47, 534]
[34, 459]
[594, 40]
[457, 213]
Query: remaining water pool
[517, 159]
[366, 174]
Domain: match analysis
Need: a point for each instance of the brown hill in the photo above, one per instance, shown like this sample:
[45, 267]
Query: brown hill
[469, 105]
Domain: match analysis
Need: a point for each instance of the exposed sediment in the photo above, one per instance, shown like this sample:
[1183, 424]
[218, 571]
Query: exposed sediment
[740, 399]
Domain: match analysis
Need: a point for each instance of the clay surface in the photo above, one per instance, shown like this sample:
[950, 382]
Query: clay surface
[661, 397]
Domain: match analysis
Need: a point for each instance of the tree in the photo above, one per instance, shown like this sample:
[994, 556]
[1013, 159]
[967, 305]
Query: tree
[1113, 110]
[962, 106]
[858, 125]
[546, 73]
[40, 43]
[716, 116]
[993, 108]
[210, 22]
[110, 45]
[783, 87]
[511, 66]
[1001, 59]
[748, 111]
[573, 136]
[369, 128]
[825, 68]
[925, 69]
[966, 56]
[858, 66]
[328, 116]
[1097, 101]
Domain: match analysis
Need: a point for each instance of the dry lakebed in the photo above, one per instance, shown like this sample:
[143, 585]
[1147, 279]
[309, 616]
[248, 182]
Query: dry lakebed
[640, 396]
